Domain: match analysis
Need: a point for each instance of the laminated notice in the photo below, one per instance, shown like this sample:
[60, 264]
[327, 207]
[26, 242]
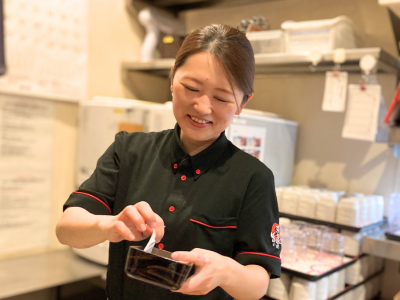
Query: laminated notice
[335, 91]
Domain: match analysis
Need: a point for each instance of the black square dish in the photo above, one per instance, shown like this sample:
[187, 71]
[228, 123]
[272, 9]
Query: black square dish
[157, 268]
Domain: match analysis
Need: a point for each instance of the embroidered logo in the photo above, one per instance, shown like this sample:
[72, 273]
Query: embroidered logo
[275, 235]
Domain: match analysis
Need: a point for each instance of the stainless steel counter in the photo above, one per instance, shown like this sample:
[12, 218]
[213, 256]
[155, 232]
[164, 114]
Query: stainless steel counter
[381, 247]
[41, 271]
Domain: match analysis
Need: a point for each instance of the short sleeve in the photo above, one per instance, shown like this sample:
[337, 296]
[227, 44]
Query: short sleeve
[257, 237]
[97, 193]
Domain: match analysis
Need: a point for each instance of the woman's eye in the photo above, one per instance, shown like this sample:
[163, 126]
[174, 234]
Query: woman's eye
[221, 100]
[191, 89]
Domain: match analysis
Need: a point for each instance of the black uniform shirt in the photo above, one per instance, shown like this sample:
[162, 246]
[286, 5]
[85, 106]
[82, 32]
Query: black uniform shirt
[221, 199]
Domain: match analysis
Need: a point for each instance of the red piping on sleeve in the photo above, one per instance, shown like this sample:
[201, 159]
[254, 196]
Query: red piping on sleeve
[96, 199]
[217, 227]
[256, 253]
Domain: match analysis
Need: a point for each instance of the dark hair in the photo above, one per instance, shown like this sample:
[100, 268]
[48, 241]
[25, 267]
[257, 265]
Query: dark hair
[231, 49]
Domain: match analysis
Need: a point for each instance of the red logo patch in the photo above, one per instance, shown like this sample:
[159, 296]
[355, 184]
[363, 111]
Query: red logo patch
[275, 235]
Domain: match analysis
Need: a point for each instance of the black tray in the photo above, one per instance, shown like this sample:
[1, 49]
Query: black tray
[317, 277]
[393, 237]
[333, 225]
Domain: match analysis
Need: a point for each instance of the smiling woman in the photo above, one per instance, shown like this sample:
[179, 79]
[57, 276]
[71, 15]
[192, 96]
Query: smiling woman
[204, 102]
[207, 200]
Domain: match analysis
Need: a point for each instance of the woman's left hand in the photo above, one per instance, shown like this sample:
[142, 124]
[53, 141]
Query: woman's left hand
[209, 273]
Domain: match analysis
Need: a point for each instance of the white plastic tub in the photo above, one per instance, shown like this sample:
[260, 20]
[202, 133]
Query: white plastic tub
[321, 35]
[268, 41]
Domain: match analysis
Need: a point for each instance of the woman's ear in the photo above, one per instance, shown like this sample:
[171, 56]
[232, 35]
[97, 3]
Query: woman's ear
[243, 105]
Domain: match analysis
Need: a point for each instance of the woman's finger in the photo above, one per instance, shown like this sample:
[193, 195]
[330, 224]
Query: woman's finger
[192, 286]
[135, 217]
[160, 228]
[124, 231]
[147, 214]
[189, 257]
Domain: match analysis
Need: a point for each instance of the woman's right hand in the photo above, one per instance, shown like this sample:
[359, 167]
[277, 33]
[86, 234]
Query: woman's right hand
[134, 223]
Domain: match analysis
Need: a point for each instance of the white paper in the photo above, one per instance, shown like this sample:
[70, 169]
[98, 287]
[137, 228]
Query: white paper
[150, 244]
[250, 139]
[335, 91]
[46, 47]
[362, 116]
[26, 150]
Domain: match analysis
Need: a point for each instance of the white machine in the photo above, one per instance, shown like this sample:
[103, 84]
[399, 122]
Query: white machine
[156, 20]
[263, 135]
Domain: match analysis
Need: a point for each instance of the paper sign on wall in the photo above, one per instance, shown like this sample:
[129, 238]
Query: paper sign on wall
[46, 47]
[335, 91]
[362, 116]
[26, 150]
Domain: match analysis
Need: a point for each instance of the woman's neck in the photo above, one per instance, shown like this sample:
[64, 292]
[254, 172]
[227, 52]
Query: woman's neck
[194, 147]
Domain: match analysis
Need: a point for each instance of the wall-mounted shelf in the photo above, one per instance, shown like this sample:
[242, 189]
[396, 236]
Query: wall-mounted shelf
[287, 63]
[382, 247]
[179, 5]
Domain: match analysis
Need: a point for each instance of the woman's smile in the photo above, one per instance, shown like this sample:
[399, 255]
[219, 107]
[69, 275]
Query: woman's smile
[199, 122]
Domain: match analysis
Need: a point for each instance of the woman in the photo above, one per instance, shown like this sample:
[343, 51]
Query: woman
[217, 203]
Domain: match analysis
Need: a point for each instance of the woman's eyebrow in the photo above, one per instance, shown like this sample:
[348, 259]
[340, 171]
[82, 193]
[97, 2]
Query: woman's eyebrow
[200, 82]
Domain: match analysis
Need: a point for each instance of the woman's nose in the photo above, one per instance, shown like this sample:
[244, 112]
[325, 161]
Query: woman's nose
[203, 105]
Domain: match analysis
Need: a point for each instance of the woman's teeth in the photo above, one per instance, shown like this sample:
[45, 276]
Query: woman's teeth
[199, 121]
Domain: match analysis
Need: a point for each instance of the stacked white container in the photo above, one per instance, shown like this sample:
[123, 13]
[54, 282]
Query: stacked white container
[307, 203]
[322, 289]
[364, 207]
[289, 201]
[348, 211]
[326, 206]
[302, 289]
[373, 211]
[279, 288]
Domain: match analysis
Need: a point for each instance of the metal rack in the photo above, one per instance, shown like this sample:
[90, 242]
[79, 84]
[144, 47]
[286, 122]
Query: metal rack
[287, 63]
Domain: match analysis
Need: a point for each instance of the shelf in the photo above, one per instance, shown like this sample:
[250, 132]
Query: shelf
[287, 63]
[27, 274]
[394, 5]
[382, 247]
[179, 5]
[334, 225]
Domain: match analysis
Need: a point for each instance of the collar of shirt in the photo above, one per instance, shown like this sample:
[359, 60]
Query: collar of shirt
[200, 162]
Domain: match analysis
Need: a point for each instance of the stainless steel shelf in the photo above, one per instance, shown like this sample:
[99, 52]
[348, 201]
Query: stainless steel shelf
[287, 63]
[381, 247]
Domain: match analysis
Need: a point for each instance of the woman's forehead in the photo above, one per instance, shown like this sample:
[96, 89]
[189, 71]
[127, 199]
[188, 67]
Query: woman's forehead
[204, 68]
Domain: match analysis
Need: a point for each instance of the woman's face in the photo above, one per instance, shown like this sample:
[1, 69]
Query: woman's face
[203, 101]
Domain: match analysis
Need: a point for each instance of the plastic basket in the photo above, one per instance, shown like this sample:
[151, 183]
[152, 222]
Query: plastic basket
[321, 35]
[268, 41]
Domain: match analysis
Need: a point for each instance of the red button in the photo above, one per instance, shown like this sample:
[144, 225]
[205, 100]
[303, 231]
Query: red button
[160, 246]
[183, 177]
[175, 166]
[171, 208]
[198, 171]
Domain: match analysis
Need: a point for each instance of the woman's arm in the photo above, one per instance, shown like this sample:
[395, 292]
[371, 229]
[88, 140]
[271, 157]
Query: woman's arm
[79, 228]
[245, 282]
[213, 270]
